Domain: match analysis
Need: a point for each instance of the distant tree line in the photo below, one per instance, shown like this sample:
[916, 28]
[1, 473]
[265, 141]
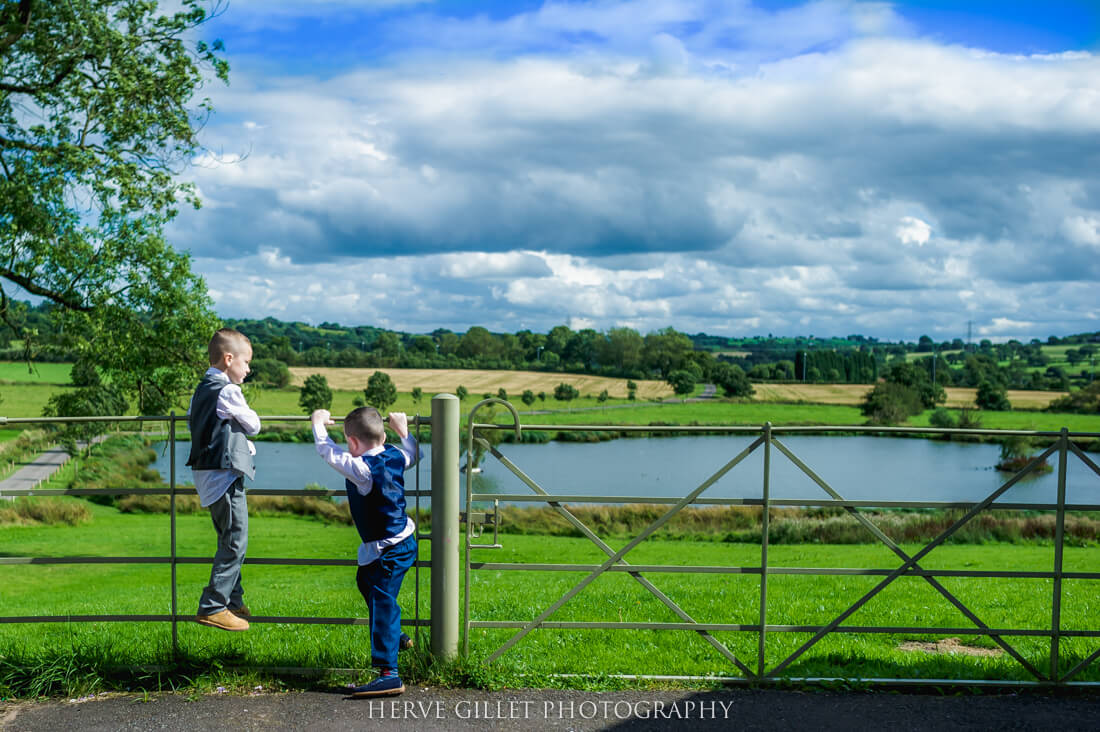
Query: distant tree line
[618, 352]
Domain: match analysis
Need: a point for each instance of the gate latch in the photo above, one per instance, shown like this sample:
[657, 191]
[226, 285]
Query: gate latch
[475, 525]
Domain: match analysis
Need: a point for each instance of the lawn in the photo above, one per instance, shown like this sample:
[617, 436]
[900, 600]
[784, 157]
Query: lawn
[501, 595]
[26, 399]
[35, 373]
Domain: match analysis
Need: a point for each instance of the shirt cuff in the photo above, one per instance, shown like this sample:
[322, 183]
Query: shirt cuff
[320, 434]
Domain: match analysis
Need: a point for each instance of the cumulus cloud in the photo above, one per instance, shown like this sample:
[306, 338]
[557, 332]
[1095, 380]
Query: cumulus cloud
[660, 163]
[1082, 230]
[912, 230]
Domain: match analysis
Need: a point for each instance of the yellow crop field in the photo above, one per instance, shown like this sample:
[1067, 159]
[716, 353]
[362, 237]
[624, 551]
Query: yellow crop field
[477, 382]
[434, 381]
[852, 394]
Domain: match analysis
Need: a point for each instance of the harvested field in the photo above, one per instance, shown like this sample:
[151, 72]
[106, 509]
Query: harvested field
[852, 395]
[477, 382]
[434, 381]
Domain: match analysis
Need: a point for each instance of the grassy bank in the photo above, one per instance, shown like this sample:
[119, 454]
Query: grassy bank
[741, 524]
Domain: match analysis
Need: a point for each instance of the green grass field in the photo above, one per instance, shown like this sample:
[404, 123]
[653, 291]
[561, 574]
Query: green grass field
[27, 399]
[36, 373]
[499, 595]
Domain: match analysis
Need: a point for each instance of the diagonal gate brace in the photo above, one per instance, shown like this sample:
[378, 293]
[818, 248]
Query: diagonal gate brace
[912, 562]
[595, 539]
[617, 556]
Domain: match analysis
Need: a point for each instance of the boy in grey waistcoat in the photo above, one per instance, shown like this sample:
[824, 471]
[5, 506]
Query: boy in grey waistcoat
[221, 456]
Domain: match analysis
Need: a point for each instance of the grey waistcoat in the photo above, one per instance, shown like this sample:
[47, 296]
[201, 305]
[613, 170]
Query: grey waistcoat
[216, 444]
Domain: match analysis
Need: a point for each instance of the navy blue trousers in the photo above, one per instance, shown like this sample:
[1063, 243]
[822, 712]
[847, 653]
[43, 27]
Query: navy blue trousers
[380, 582]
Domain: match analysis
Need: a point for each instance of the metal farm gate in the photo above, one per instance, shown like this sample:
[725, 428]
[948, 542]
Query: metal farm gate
[767, 442]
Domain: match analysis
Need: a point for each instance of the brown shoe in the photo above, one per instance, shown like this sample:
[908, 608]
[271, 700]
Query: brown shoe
[224, 620]
[241, 612]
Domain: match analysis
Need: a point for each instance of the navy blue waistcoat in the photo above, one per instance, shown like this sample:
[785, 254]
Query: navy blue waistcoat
[381, 513]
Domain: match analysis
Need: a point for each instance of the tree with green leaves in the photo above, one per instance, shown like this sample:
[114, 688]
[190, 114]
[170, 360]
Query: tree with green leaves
[565, 392]
[890, 403]
[731, 378]
[269, 372]
[682, 382]
[315, 394]
[97, 118]
[380, 391]
[919, 380]
[461, 392]
[528, 397]
[992, 396]
[1082, 401]
[417, 394]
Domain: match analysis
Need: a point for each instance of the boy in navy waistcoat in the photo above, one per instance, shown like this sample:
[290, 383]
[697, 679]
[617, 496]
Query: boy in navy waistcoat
[374, 474]
[221, 456]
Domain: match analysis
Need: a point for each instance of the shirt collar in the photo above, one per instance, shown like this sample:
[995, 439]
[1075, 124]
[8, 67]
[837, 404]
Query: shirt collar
[216, 373]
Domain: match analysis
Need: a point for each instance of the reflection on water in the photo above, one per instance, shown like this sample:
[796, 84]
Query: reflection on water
[859, 468]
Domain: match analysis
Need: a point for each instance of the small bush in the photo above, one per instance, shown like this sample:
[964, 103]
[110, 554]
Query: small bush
[565, 392]
[942, 418]
[48, 511]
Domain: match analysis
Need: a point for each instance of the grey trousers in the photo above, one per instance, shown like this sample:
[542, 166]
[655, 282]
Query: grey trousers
[230, 516]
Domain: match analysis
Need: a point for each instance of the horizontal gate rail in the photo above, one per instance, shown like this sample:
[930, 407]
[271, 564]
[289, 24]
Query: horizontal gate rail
[823, 571]
[793, 502]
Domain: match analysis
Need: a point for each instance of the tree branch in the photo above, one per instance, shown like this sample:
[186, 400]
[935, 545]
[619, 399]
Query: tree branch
[6, 142]
[24, 20]
[29, 89]
[59, 297]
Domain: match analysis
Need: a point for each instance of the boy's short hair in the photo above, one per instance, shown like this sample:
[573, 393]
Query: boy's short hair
[227, 340]
[365, 423]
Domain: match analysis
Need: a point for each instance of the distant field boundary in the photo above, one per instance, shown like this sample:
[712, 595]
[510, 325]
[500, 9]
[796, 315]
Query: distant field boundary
[476, 381]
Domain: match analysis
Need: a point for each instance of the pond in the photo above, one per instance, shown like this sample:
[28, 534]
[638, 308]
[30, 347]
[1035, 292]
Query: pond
[859, 468]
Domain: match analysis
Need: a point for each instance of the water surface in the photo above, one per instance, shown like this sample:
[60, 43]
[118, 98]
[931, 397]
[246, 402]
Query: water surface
[857, 467]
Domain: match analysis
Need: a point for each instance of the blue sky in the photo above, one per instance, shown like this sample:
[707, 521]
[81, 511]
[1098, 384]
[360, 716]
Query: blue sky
[738, 167]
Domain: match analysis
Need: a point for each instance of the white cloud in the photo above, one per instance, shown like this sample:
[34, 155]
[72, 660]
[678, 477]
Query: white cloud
[912, 230]
[1082, 230]
[663, 176]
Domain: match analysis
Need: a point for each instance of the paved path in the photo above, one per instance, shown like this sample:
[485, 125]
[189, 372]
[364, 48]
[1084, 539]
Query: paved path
[427, 709]
[40, 469]
[33, 473]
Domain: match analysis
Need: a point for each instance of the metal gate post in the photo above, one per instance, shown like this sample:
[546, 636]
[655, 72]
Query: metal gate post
[764, 527]
[172, 514]
[445, 537]
[1059, 540]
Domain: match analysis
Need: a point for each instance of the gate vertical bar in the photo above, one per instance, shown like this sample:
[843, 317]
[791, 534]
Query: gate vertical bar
[1059, 536]
[766, 493]
[172, 513]
[445, 588]
[416, 512]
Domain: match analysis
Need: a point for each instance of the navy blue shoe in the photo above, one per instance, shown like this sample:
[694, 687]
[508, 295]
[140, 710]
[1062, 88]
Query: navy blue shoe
[385, 685]
[404, 643]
